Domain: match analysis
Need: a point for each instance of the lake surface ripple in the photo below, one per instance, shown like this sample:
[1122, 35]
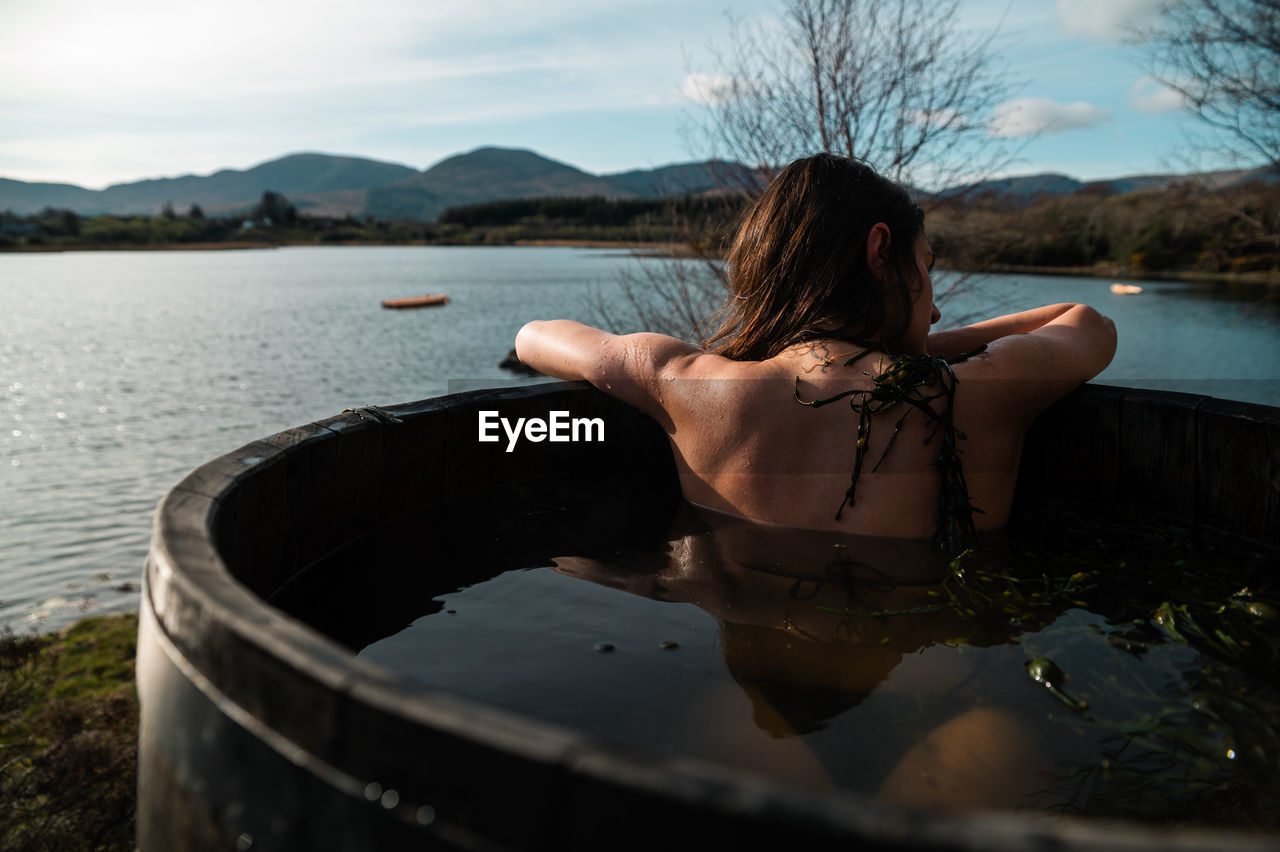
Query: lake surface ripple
[122, 371]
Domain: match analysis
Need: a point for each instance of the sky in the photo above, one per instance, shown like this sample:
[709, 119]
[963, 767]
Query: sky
[96, 93]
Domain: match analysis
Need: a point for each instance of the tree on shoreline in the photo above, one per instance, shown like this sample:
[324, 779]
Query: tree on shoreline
[895, 83]
[1223, 58]
[274, 209]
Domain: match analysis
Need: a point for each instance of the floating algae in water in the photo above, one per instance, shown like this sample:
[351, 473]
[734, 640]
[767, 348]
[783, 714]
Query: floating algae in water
[1001, 590]
[1157, 644]
[1203, 748]
[1171, 638]
[1046, 672]
[1176, 646]
[914, 382]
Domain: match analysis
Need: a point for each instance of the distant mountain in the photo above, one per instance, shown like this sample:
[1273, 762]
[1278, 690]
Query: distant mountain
[1027, 188]
[1021, 189]
[296, 176]
[24, 198]
[683, 179]
[328, 185]
[485, 174]
[500, 174]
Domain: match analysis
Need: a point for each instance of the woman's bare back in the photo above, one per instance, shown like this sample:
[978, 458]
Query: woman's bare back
[744, 444]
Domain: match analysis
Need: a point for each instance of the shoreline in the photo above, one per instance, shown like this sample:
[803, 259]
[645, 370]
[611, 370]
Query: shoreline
[1123, 272]
[612, 244]
[677, 250]
[211, 246]
[632, 245]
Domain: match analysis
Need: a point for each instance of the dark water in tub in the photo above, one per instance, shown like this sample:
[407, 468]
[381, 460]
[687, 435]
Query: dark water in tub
[1111, 665]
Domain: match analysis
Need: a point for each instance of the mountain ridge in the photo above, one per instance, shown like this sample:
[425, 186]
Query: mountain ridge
[343, 185]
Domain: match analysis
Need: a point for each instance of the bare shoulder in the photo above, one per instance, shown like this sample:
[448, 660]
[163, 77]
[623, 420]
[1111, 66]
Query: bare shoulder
[656, 373]
[661, 355]
[681, 383]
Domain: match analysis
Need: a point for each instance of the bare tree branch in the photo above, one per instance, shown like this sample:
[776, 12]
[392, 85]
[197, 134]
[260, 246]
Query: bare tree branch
[1223, 58]
[895, 83]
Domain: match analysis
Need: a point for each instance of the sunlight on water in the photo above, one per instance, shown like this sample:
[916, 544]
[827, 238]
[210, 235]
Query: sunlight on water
[122, 371]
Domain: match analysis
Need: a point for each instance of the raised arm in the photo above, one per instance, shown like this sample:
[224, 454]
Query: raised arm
[631, 367]
[1034, 357]
[968, 338]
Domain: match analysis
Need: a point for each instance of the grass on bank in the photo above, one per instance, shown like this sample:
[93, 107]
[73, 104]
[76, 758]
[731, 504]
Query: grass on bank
[69, 737]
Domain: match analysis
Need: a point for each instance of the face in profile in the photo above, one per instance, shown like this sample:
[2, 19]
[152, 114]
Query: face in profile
[924, 312]
[922, 300]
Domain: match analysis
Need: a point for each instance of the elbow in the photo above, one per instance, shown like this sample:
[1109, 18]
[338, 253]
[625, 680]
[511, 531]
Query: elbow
[1101, 336]
[1102, 324]
[525, 340]
[1110, 330]
[553, 348]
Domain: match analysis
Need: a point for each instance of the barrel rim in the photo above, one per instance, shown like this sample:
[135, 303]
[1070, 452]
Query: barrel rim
[192, 595]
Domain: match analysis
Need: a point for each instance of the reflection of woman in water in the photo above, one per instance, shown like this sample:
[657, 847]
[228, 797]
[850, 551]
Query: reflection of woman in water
[832, 301]
[814, 623]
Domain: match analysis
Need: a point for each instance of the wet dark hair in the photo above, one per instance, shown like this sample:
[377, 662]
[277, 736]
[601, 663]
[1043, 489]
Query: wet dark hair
[798, 266]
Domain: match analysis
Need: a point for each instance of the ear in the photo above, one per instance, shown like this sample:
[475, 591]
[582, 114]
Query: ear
[878, 248]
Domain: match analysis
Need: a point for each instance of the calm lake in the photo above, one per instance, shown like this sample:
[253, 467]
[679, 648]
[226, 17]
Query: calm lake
[122, 371]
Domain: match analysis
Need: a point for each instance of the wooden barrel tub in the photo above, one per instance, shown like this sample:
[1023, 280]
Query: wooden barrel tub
[258, 732]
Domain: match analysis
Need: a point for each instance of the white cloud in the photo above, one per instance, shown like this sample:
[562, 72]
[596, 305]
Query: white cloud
[95, 160]
[148, 49]
[707, 89]
[1103, 19]
[949, 118]
[315, 74]
[1149, 95]
[1034, 116]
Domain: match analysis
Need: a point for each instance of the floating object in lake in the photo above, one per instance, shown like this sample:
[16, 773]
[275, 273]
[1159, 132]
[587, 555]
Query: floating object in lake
[427, 301]
[1125, 289]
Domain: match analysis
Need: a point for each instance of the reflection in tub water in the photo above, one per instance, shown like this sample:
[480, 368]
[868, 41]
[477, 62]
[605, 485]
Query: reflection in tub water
[1117, 667]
